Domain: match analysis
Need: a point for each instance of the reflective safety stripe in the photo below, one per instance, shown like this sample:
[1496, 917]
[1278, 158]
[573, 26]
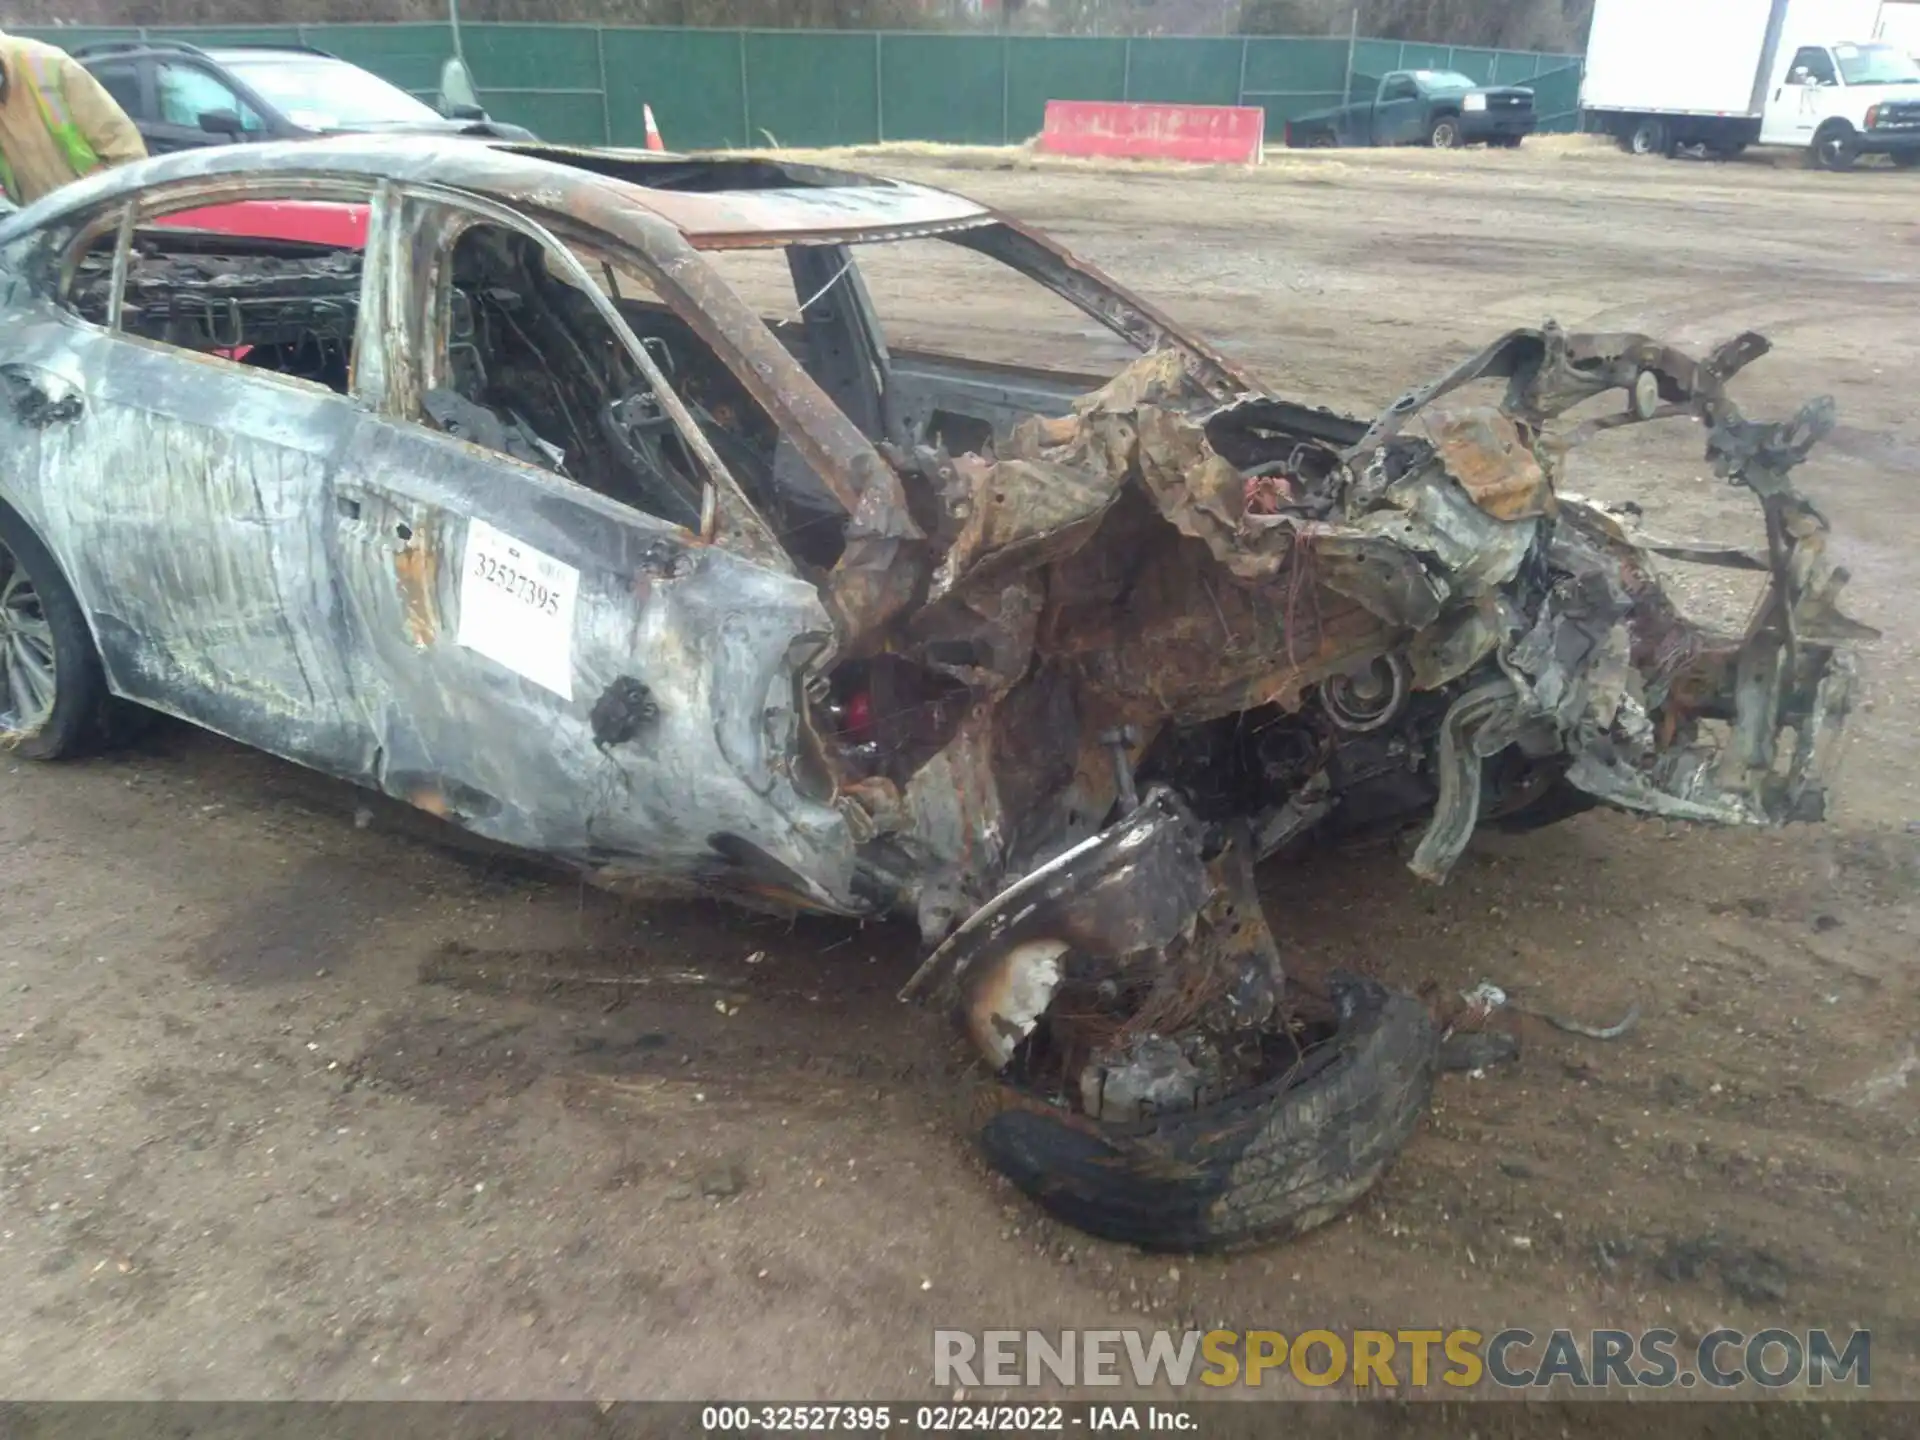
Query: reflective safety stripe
[46, 86]
[43, 79]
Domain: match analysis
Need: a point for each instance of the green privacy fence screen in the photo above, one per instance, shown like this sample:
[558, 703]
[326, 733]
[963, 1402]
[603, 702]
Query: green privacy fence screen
[737, 88]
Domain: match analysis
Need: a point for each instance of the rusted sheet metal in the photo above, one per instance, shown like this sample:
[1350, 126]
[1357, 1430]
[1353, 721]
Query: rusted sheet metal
[415, 568]
[1133, 888]
[1485, 452]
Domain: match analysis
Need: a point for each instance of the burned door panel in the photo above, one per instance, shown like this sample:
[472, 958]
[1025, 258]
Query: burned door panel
[186, 499]
[41, 387]
[639, 718]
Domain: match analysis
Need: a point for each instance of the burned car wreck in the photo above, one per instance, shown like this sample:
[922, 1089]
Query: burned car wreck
[519, 513]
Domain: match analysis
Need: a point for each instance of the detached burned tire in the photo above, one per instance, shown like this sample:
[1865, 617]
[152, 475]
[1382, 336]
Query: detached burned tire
[52, 694]
[1261, 1166]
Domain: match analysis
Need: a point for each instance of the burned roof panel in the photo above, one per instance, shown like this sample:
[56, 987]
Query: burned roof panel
[714, 202]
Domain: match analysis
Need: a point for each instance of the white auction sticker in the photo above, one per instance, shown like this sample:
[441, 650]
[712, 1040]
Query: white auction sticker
[516, 607]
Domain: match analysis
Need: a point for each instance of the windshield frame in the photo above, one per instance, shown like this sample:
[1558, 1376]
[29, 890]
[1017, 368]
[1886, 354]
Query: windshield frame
[308, 102]
[1868, 60]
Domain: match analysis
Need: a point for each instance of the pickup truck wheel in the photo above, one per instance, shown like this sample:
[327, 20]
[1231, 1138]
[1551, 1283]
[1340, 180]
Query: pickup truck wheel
[1905, 159]
[1259, 1166]
[1836, 147]
[1649, 137]
[1505, 142]
[1445, 134]
[53, 697]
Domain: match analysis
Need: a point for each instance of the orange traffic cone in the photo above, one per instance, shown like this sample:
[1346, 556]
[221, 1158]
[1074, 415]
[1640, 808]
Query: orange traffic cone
[654, 142]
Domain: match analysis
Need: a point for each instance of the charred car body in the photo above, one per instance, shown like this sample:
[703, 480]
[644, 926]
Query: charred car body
[699, 605]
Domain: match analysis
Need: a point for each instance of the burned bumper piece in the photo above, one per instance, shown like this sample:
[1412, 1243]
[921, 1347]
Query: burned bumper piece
[1148, 945]
[1155, 1087]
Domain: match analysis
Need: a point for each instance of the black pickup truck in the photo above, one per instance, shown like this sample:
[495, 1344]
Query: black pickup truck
[1441, 108]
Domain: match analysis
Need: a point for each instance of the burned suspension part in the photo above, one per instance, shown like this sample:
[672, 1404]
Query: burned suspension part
[1367, 698]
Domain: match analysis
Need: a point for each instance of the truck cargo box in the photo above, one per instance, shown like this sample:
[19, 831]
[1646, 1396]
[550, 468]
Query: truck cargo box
[1706, 57]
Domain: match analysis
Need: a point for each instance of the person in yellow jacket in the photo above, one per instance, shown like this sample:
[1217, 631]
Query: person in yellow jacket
[57, 122]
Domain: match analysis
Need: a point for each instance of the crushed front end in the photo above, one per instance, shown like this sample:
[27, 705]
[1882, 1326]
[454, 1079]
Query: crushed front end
[1176, 633]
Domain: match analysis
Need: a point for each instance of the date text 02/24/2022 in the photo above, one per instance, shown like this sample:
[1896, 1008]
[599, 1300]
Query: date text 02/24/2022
[939, 1419]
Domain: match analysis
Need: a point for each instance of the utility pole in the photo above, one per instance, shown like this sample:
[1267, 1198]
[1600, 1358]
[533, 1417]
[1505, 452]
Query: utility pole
[1353, 45]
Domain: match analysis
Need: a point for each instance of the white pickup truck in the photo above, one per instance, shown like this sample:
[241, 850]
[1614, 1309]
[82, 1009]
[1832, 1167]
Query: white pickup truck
[1670, 75]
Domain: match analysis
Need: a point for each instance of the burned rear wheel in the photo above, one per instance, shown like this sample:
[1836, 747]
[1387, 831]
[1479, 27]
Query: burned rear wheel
[1259, 1166]
[51, 692]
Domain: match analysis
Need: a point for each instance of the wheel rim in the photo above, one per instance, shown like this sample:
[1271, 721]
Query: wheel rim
[1643, 141]
[1443, 137]
[28, 675]
[1834, 149]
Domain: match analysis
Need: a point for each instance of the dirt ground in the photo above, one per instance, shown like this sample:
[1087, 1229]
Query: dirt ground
[298, 1100]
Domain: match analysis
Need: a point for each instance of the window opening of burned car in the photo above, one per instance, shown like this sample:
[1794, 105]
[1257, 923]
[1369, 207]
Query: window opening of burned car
[748, 441]
[534, 371]
[971, 344]
[530, 366]
[289, 308]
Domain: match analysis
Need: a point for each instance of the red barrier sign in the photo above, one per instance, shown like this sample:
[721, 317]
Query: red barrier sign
[1216, 134]
[319, 222]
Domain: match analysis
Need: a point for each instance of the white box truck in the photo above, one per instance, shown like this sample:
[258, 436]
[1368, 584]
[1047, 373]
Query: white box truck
[1720, 75]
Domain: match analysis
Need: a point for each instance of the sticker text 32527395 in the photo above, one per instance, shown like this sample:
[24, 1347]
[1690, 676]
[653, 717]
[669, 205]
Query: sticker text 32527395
[516, 607]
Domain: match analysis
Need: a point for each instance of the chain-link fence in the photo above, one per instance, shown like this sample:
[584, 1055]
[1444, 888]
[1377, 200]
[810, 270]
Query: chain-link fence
[712, 89]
